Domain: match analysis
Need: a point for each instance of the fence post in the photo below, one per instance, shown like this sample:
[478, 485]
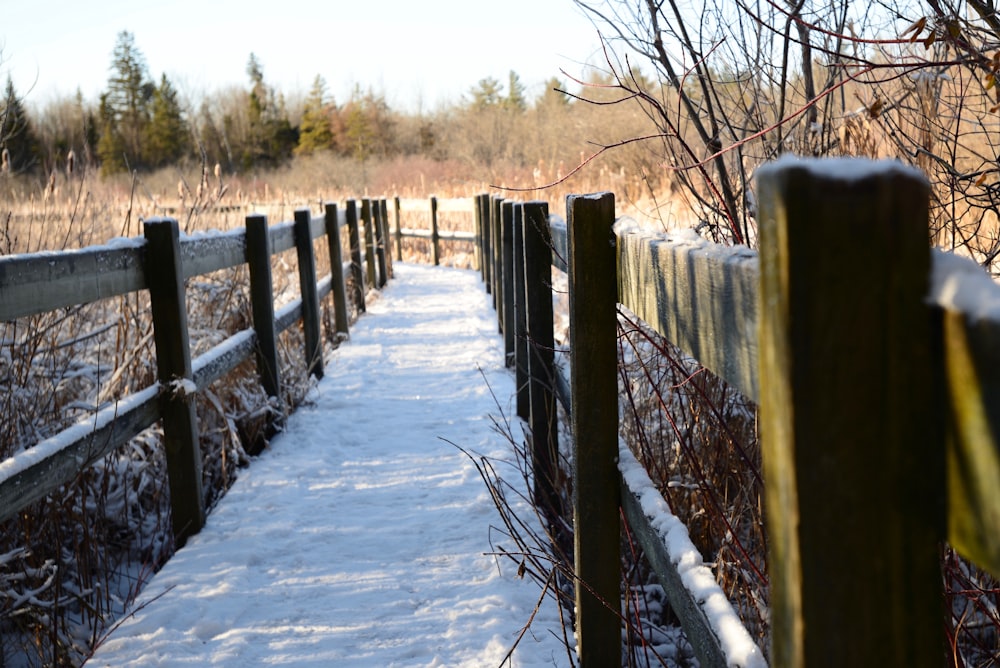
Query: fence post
[165, 278]
[366, 219]
[497, 248]
[309, 293]
[486, 249]
[386, 235]
[507, 264]
[520, 318]
[593, 297]
[378, 229]
[435, 245]
[542, 414]
[851, 424]
[399, 230]
[341, 322]
[357, 274]
[258, 253]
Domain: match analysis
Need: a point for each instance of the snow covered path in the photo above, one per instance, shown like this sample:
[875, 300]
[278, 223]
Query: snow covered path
[358, 537]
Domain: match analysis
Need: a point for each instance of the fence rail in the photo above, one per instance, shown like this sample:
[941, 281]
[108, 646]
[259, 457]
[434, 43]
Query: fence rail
[159, 263]
[882, 364]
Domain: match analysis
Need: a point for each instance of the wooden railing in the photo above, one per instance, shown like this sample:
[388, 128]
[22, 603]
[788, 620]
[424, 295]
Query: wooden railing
[159, 264]
[876, 367]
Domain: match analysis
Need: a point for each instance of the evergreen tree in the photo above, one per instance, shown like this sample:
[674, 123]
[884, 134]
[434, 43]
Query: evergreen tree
[553, 98]
[487, 93]
[17, 136]
[314, 132]
[127, 101]
[270, 135]
[515, 100]
[167, 132]
[111, 145]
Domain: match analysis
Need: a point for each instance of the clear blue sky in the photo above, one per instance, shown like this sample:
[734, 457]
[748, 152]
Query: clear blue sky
[415, 52]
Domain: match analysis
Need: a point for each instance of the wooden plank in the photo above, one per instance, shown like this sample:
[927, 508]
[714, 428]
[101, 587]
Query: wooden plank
[542, 413]
[207, 253]
[850, 421]
[560, 242]
[520, 319]
[40, 282]
[398, 230]
[700, 296]
[282, 237]
[357, 276]
[31, 475]
[969, 306]
[507, 279]
[386, 234]
[341, 322]
[496, 243]
[366, 221]
[258, 257]
[486, 241]
[307, 288]
[173, 370]
[594, 379]
[380, 256]
[435, 236]
[219, 360]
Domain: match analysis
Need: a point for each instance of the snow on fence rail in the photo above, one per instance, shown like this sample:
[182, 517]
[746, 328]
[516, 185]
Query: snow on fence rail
[876, 366]
[159, 263]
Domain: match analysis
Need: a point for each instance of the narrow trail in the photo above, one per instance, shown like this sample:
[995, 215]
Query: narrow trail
[359, 537]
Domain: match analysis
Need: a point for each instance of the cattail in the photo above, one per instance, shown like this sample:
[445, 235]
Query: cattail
[70, 159]
[5, 161]
[218, 172]
[50, 190]
[180, 189]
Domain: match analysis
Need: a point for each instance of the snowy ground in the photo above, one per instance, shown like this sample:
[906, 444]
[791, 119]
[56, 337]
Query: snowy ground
[359, 537]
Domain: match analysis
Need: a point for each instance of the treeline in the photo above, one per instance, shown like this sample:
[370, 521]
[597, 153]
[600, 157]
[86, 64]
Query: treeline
[143, 124]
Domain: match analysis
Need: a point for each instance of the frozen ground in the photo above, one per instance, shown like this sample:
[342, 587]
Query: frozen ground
[359, 538]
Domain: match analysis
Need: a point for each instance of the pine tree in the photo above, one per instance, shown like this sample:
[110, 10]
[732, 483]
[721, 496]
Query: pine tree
[314, 132]
[127, 101]
[515, 100]
[486, 94]
[111, 145]
[167, 132]
[17, 136]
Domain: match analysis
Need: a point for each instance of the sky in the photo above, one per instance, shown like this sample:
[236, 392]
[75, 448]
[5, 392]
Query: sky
[420, 55]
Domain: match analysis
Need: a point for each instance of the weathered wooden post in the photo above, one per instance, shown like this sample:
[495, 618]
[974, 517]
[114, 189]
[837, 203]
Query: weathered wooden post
[520, 319]
[477, 228]
[386, 235]
[537, 249]
[379, 231]
[341, 321]
[357, 273]
[497, 246]
[309, 293]
[485, 238]
[399, 230]
[507, 272]
[366, 219]
[593, 322]
[850, 417]
[435, 238]
[258, 254]
[165, 278]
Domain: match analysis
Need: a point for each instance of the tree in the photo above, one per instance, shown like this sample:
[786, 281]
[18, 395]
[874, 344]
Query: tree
[167, 133]
[17, 135]
[127, 103]
[515, 100]
[487, 93]
[314, 131]
[270, 137]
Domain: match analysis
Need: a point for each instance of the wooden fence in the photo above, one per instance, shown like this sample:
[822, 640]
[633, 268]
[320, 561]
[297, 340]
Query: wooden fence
[876, 367]
[159, 264]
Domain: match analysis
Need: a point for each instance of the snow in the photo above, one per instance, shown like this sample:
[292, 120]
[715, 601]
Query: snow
[738, 647]
[959, 284]
[845, 169]
[360, 537]
[50, 447]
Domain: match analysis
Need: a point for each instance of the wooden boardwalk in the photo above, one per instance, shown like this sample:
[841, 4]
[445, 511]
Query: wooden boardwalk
[359, 537]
